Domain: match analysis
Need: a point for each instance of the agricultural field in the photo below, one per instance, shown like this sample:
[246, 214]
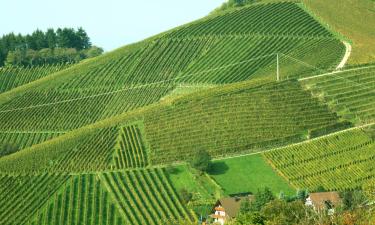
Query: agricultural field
[12, 77]
[141, 74]
[103, 198]
[350, 93]
[289, 114]
[343, 160]
[108, 140]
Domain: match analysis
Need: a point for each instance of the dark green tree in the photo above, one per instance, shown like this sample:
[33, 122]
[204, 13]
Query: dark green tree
[51, 38]
[7, 149]
[185, 195]
[83, 39]
[262, 197]
[201, 161]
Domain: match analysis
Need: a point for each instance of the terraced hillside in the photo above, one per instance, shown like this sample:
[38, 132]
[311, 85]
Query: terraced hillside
[340, 161]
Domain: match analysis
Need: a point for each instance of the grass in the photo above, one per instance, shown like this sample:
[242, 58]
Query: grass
[248, 174]
[183, 178]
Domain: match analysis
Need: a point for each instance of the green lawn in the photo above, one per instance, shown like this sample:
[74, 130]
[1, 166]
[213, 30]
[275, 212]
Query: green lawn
[182, 178]
[248, 174]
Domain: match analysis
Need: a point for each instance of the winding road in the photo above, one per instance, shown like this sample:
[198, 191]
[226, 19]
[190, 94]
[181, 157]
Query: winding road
[346, 56]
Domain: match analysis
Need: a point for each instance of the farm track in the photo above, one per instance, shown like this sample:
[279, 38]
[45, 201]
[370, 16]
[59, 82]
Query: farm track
[348, 52]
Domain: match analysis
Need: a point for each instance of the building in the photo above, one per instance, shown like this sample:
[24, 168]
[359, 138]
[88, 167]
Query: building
[324, 201]
[227, 208]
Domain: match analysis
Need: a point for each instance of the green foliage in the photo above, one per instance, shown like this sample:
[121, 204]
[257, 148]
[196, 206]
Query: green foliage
[7, 149]
[47, 56]
[283, 213]
[39, 47]
[262, 197]
[352, 199]
[185, 195]
[235, 3]
[201, 161]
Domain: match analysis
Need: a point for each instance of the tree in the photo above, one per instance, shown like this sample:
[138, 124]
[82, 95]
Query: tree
[283, 213]
[185, 195]
[51, 38]
[201, 161]
[93, 52]
[84, 40]
[29, 50]
[16, 58]
[262, 197]
[7, 149]
[301, 195]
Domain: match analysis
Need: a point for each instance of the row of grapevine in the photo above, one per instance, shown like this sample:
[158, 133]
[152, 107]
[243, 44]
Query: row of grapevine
[158, 61]
[91, 105]
[92, 154]
[89, 151]
[11, 77]
[349, 93]
[130, 149]
[81, 200]
[244, 120]
[26, 139]
[340, 161]
[145, 196]
[22, 196]
[261, 19]
[86, 107]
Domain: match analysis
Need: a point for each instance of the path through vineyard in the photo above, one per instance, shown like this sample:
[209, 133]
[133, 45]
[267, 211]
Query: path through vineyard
[346, 56]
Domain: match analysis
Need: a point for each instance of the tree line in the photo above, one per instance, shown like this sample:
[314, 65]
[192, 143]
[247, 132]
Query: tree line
[235, 3]
[65, 45]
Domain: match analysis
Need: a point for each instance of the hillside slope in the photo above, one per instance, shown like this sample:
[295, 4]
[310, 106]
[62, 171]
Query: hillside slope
[115, 122]
[141, 74]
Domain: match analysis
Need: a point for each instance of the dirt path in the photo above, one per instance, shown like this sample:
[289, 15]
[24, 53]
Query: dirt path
[346, 56]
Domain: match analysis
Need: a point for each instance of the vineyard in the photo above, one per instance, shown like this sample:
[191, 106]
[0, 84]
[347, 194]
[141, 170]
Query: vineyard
[240, 120]
[141, 74]
[27, 139]
[98, 142]
[340, 161]
[351, 93]
[130, 150]
[12, 77]
[107, 198]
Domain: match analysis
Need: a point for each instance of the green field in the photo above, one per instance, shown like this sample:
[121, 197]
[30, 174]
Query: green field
[248, 174]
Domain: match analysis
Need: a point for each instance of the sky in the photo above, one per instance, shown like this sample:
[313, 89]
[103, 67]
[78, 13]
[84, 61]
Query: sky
[109, 23]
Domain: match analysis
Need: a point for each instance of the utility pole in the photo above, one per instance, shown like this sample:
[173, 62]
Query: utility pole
[278, 68]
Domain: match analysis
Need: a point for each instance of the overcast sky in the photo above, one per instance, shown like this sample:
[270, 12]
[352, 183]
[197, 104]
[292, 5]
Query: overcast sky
[109, 23]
